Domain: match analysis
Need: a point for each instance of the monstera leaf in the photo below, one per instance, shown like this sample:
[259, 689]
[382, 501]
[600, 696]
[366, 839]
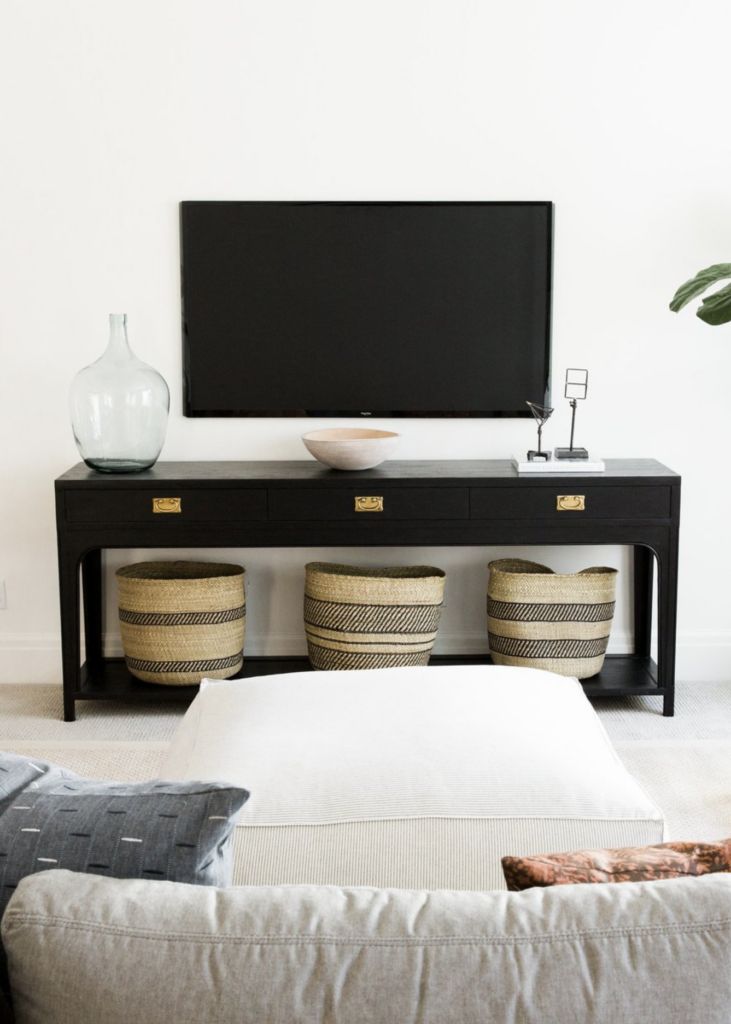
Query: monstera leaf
[714, 309]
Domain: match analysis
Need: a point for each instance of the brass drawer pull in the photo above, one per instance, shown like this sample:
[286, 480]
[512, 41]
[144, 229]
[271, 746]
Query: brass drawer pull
[364, 503]
[570, 502]
[167, 505]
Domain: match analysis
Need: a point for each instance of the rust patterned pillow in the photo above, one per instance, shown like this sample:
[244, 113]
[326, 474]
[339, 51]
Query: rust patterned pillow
[630, 864]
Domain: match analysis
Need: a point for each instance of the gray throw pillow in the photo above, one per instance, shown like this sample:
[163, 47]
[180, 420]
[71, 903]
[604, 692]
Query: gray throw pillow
[52, 818]
[17, 774]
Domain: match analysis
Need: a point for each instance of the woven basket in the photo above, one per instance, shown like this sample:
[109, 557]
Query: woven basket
[542, 619]
[182, 621]
[371, 618]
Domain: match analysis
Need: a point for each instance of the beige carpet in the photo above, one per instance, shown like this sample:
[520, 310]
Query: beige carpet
[690, 781]
[683, 763]
[35, 713]
[122, 762]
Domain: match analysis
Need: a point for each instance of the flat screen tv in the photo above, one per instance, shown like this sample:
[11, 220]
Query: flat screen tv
[365, 308]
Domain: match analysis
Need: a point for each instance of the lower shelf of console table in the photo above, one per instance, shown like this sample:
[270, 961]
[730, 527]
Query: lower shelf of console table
[622, 675]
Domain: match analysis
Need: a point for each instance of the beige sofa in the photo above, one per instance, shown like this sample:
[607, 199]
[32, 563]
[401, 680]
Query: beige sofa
[83, 949]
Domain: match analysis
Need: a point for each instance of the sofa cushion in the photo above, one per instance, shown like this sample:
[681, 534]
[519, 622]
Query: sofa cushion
[410, 777]
[84, 949]
[631, 864]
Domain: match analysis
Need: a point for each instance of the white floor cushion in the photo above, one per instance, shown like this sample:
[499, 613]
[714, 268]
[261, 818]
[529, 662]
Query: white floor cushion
[415, 778]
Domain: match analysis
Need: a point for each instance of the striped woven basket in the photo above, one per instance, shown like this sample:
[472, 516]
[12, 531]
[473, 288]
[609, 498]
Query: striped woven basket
[371, 618]
[555, 621]
[182, 621]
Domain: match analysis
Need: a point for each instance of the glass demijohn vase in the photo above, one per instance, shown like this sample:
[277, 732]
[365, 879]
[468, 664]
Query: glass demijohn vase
[119, 407]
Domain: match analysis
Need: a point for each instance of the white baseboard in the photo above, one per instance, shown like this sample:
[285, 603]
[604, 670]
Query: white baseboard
[30, 658]
[703, 654]
[36, 657]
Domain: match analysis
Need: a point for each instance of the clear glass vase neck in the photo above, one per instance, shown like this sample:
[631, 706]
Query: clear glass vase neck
[118, 346]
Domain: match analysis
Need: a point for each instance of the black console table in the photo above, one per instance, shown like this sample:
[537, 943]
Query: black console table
[302, 504]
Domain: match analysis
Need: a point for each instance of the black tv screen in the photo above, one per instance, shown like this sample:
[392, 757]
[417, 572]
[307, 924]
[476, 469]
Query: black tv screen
[365, 309]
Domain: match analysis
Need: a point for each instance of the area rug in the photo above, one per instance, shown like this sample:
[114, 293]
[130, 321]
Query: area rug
[689, 780]
[683, 763]
[121, 762]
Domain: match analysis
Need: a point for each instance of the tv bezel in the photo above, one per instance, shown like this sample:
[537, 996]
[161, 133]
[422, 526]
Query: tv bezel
[191, 412]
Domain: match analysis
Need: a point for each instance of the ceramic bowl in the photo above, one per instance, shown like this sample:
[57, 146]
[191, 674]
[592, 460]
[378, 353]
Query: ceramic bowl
[351, 447]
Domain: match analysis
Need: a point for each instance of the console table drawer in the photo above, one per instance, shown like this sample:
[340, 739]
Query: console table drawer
[369, 503]
[571, 499]
[165, 505]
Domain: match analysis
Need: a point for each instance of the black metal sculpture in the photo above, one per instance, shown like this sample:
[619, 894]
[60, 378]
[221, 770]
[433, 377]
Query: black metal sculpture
[540, 414]
[575, 389]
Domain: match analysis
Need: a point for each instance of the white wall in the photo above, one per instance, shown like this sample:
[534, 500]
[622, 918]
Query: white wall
[113, 112]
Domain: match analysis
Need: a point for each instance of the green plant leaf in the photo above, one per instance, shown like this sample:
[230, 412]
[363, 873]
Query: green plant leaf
[716, 309]
[702, 280]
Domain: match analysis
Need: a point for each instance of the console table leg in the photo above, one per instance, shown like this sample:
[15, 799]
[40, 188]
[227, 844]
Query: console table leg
[68, 582]
[643, 578]
[91, 578]
[667, 599]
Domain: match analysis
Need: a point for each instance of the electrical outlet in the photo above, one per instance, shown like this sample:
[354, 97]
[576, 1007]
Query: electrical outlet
[3, 603]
